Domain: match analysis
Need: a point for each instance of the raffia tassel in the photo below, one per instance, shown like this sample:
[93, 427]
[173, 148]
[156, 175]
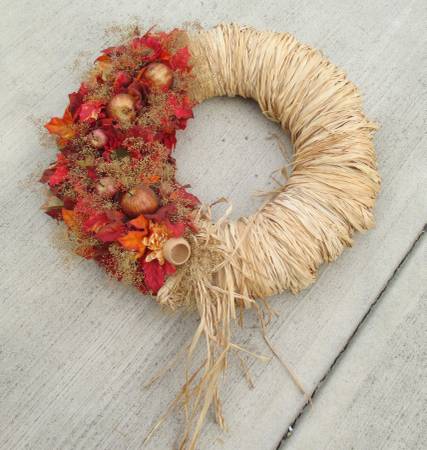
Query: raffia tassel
[329, 195]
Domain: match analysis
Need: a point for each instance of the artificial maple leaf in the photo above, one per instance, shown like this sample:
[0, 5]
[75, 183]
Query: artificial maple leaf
[91, 173]
[121, 81]
[69, 217]
[176, 229]
[58, 176]
[189, 199]
[95, 222]
[62, 127]
[47, 174]
[133, 241]
[145, 133]
[155, 274]
[150, 48]
[90, 110]
[55, 212]
[181, 108]
[110, 51]
[140, 223]
[111, 232]
[162, 213]
[76, 99]
[167, 139]
[114, 216]
[180, 60]
[138, 92]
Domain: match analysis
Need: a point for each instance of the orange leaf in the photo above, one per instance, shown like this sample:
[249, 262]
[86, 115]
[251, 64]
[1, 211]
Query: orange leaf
[69, 217]
[133, 241]
[62, 127]
[103, 58]
[141, 223]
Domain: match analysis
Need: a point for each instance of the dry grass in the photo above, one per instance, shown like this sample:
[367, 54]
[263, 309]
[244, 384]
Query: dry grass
[310, 220]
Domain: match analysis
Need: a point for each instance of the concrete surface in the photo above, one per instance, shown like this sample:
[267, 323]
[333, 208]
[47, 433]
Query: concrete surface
[377, 395]
[77, 348]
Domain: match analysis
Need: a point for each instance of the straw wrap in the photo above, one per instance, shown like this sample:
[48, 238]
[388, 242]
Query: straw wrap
[310, 220]
[334, 182]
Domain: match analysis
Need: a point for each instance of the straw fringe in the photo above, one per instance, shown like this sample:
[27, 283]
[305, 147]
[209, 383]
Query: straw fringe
[311, 219]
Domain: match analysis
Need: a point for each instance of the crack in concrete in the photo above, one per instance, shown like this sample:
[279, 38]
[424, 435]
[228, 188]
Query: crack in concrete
[402, 262]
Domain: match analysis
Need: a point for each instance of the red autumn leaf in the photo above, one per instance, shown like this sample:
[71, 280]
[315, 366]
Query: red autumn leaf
[59, 175]
[76, 99]
[138, 92]
[111, 232]
[110, 51]
[167, 139]
[69, 202]
[95, 222]
[175, 229]
[181, 108]
[180, 60]
[182, 194]
[54, 212]
[155, 274]
[47, 174]
[143, 132]
[62, 127]
[107, 122]
[115, 138]
[91, 173]
[162, 213]
[121, 81]
[90, 110]
[114, 215]
[150, 43]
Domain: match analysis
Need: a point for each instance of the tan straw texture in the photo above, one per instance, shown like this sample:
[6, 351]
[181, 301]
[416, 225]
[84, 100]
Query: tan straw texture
[329, 195]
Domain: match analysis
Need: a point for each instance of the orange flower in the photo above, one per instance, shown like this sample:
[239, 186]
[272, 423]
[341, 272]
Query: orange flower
[155, 242]
[63, 128]
[133, 240]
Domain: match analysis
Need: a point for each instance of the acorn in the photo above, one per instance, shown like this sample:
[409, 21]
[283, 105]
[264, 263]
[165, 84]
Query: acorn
[98, 138]
[158, 76]
[122, 108]
[139, 200]
[106, 187]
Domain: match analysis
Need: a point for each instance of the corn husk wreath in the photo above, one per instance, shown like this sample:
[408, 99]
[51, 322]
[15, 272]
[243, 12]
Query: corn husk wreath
[310, 220]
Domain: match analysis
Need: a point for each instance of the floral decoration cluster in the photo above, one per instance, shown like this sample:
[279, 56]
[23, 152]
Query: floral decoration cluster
[114, 179]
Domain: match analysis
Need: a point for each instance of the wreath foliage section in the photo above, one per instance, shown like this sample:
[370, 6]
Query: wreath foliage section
[114, 179]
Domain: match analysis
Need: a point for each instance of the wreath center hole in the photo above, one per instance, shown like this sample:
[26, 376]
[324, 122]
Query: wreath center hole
[231, 150]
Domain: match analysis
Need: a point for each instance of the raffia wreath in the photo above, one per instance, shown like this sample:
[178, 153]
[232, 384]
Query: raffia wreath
[113, 182]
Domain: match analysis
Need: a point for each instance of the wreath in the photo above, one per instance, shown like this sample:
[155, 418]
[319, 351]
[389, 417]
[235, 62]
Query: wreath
[114, 179]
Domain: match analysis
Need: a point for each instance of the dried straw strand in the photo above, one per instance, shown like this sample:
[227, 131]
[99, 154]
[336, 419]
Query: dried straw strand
[311, 219]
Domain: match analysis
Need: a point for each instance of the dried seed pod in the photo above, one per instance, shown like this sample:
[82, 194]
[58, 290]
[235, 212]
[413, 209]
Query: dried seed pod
[122, 108]
[177, 251]
[158, 76]
[98, 138]
[107, 187]
[139, 200]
